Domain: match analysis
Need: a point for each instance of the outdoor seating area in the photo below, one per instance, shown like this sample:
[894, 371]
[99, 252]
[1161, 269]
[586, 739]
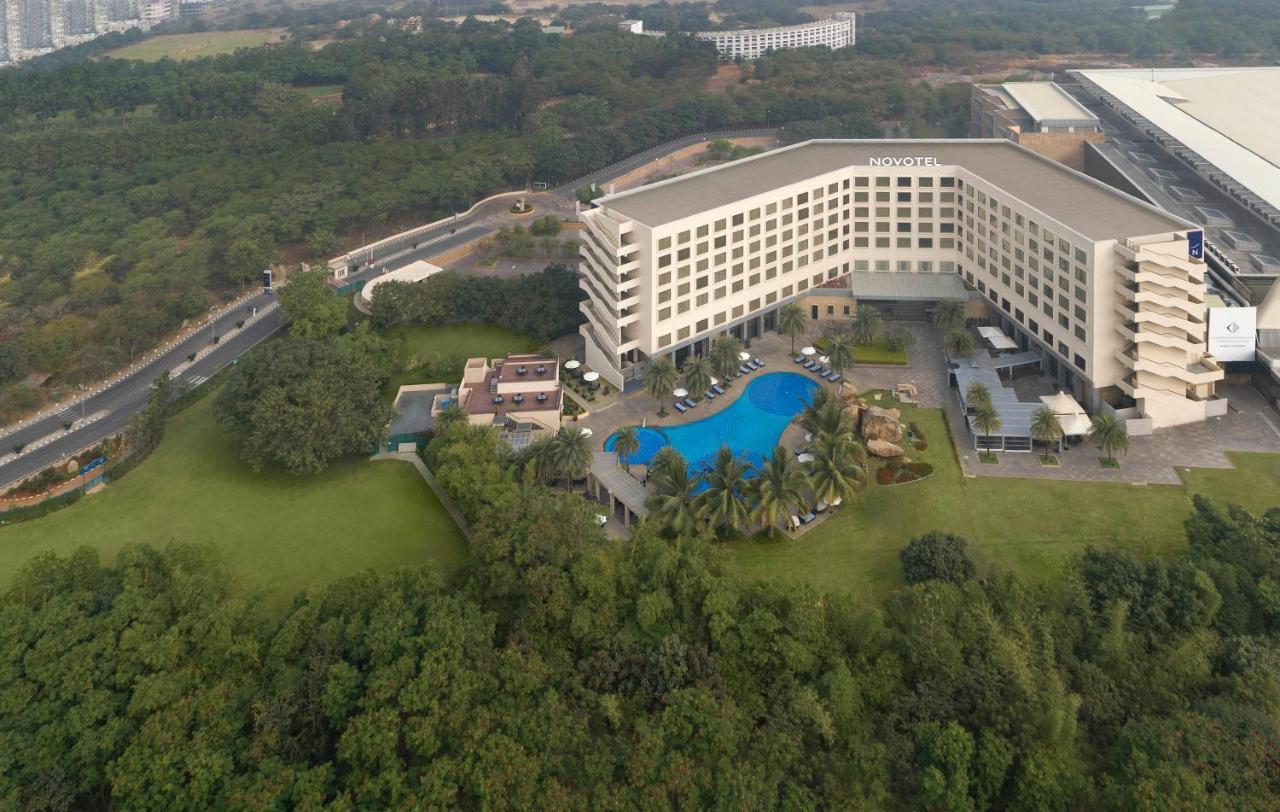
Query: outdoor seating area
[818, 368]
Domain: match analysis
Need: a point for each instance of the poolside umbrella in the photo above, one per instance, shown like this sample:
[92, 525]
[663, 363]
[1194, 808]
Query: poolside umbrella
[681, 393]
[824, 359]
[572, 363]
[715, 381]
[591, 377]
[807, 350]
[586, 432]
[744, 356]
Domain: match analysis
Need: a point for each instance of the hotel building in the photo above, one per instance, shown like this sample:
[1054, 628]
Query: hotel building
[753, 43]
[1103, 286]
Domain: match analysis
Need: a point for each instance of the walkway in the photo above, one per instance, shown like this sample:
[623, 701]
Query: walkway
[613, 486]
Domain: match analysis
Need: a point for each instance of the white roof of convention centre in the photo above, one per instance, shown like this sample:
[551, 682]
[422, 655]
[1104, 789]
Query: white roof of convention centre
[1045, 101]
[1090, 207]
[1229, 116]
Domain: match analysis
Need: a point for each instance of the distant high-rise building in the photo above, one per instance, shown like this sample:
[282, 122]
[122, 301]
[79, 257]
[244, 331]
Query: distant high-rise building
[32, 27]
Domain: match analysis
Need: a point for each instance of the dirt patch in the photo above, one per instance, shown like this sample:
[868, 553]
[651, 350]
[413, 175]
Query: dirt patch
[726, 77]
[682, 161]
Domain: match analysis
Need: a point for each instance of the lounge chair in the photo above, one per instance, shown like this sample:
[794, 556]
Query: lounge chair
[811, 365]
[808, 517]
[744, 369]
[759, 361]
[794, 522]
[799, 359]
[690, 403]
[681, 408]
[717, 389]
[836, 377]
[709, 395]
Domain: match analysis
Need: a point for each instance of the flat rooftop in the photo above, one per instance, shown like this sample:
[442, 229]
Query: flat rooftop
[1045, 101]
[1229, 116]
[1090, 207]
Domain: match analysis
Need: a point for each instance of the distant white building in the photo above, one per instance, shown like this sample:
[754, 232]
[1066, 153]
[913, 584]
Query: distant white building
[753, 43]
[30, 28]
[631, 26]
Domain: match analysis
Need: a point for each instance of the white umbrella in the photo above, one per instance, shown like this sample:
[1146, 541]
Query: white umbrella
[681, 393]
[586, 432]
[744, 356]
[807, 350]
[715, 381]
[805, 458]
[572, 363]
[824, 359]
[591, 376]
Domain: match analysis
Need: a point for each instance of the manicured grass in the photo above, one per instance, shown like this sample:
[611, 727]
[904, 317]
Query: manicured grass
[875, 353]
[1031, 527]
[420, 344]
[191, 46]
[275, 532]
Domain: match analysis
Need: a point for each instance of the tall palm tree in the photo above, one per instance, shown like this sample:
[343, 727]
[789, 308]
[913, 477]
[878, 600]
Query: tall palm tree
[572, 453]
[667, 455]
[451, 415]
[536, 463]
[778, 489]
[986, 421]
[697, 374]
[1046, 427]
[724, 355]
[792, 323]
[958, 343]
[659, 380]
[866, 323]
[977, 395]
[825, 415]
[948, 315]
[723, 504]
[840, 351]
[625, 443]
[1109, 434]
[838, 468]
[672, 505]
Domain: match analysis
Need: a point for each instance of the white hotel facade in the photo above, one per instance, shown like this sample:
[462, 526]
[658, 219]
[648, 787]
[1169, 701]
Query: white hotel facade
[753, 43]
[1101, 284]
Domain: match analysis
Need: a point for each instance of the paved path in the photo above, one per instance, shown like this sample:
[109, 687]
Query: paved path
[430, 479]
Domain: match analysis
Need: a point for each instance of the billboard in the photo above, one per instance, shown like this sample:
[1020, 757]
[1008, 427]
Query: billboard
[1195, 244]
[1233, 333]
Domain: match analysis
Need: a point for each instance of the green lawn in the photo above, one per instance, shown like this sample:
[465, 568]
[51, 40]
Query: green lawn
[430, 346]
[275, 532]
[191, 46]
[1031, 527]
[873, 353]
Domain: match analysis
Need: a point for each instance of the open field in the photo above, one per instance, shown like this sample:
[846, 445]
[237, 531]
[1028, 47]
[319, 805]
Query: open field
[192, 46]
[275, 532]
[422, 344]
[1029, 527]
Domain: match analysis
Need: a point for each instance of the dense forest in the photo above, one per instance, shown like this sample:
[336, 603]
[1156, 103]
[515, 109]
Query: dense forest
[564, 670]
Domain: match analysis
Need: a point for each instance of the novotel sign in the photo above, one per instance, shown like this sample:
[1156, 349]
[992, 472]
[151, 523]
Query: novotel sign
[905, 160]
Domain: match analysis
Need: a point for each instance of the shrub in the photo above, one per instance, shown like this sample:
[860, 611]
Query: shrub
[885, 475]
[937, 557]
[921, 445]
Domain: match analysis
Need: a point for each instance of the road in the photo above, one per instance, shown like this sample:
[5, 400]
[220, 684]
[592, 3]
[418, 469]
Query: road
[106, 412]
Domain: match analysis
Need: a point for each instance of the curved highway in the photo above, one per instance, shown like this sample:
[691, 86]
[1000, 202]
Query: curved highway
[46, 441]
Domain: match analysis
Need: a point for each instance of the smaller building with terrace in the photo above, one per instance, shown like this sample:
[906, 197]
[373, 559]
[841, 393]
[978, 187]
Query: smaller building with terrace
[520, 394]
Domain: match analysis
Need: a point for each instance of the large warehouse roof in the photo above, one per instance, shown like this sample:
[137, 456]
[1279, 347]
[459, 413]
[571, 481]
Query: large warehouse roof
[1229, 116]
[1089, 207]
[1045, 101]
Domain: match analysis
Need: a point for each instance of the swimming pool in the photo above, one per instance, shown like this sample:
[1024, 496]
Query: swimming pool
[751, 425]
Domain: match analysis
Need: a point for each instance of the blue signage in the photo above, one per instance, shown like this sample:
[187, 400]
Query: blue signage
[1195, 244]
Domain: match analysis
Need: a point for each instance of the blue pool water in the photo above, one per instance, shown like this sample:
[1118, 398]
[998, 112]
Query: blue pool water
[751, 425]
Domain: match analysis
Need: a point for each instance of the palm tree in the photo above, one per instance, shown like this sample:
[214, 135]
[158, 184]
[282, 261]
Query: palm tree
[840, 351]
[451, 415]
[948, 315]
[778, 489]
[977, 395]
[866, 323]
[659, 380]
[825, 415]
[792, 323]
[724, 356]
[1109, 434]
[838, 468]
[537, 463]
[667, 455]
[672, 505]
[572, 453]
[986, 421]
[1046, 427]
[958, 343]
[723, 503]
[697, 374]
[625, 443]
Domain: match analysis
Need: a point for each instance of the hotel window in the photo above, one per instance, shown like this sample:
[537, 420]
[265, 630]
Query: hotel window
[720, 292]
[1078, 361]
[860, 242]
[664, 340]
[737, 220]
[664, 243]
[926, 242]
[702, 231]
[1064, 322]
[862, 181]
[904, 197]
[882, 197]
[683, 307]
[682, 333]
[702, 300]
[882, 242]
[737, 286]
[682, 254]
[664, 313]
[882, 182]
[721, 317]
[664, 278]
[903, 242]
[664, 296]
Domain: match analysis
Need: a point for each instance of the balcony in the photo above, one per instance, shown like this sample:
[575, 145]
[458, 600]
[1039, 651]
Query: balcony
[1197, 373]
